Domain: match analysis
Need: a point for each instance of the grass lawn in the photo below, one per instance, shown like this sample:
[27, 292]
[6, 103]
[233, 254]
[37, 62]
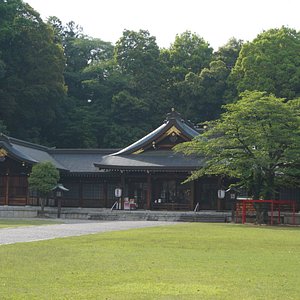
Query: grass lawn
[5, 223]
[185, 261]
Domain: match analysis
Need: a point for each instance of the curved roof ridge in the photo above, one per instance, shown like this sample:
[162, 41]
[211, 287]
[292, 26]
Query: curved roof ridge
[141, 141]
[28, 144]
[172, 119]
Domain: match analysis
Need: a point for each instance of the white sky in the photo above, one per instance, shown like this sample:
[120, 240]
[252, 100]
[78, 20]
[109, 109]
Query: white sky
[214, 20]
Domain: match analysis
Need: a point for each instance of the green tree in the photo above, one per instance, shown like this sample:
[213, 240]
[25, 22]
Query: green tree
[204, 92]
[183, 62]
[88, 64]
[137, 58]
[256, 140]
[229, 52]
[137, 55]
[188, 53]
[271, 63]
[43, 178]
[32, 85]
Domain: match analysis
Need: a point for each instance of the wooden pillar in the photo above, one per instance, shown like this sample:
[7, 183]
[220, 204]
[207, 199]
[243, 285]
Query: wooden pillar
[192, 195]
[105, 193]
[123, 189]
[149, 191]
[6, 189]
[27, 192]
[80, 194]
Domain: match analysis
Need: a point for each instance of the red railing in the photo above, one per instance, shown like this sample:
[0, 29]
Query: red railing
[247, 205]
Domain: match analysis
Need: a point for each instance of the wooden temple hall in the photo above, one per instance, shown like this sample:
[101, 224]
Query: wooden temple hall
[148, 172]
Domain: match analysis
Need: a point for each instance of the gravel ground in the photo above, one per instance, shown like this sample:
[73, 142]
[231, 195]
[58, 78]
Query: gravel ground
[47, 232]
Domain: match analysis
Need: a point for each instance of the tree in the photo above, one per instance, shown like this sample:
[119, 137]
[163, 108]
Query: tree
[229, 52]
[43, 178]
[271, 63]
[183, 62]
[137, 57]
[188, 53]
[32, 85]
[256, 140]
[204, 92]
[88, 63]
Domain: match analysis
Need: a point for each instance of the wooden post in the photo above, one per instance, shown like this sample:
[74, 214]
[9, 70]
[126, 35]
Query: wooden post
[105, 192]
[123, 189]
[244, 213]
[27, 191]
[294, 219]
[6, 189]
[219, 204]
[192, 195]
[272, 212]
[80, 194]
[149, 191]
[58, 206]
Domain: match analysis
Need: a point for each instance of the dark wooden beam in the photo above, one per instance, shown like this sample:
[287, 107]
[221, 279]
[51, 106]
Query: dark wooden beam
[123, 189]
[149, 191]
[6, 200]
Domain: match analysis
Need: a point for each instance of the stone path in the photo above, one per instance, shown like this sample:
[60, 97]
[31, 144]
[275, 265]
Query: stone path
[47, 232]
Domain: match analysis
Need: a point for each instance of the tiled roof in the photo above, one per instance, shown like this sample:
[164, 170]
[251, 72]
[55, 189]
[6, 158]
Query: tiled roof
[90, 160]
[152, 160]
[173, 119]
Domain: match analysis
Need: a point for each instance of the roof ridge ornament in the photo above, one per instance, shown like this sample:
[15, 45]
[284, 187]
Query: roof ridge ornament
[174, 115]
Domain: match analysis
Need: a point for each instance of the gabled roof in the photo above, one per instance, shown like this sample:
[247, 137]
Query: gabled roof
[145, 155]
[173, 125]
[141, 155]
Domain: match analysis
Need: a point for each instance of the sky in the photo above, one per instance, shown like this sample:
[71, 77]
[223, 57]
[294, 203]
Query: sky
[214, 20]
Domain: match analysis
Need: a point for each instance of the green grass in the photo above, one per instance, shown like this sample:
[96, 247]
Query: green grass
[185, 261]
[5, 223]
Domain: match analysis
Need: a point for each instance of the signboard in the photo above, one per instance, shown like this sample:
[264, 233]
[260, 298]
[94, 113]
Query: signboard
[118, 192]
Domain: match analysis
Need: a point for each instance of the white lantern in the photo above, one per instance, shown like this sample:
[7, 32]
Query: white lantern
[221, 194]
[118, 192]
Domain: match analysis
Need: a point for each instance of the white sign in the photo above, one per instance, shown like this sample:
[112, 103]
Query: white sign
[118, 192]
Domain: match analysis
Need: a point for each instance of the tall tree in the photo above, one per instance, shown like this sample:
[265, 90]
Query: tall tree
[137, 54]
[271, 63]
[138, 57]
[203, 92]
[87, 60]
[188, 53]
[184, 61]
[229, 52]
[32, 86]
[256, 140]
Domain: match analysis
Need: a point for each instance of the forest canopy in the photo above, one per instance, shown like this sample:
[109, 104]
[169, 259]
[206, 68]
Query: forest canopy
[61, 87]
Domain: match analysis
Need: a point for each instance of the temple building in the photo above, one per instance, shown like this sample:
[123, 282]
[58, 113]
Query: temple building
[148, 172]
